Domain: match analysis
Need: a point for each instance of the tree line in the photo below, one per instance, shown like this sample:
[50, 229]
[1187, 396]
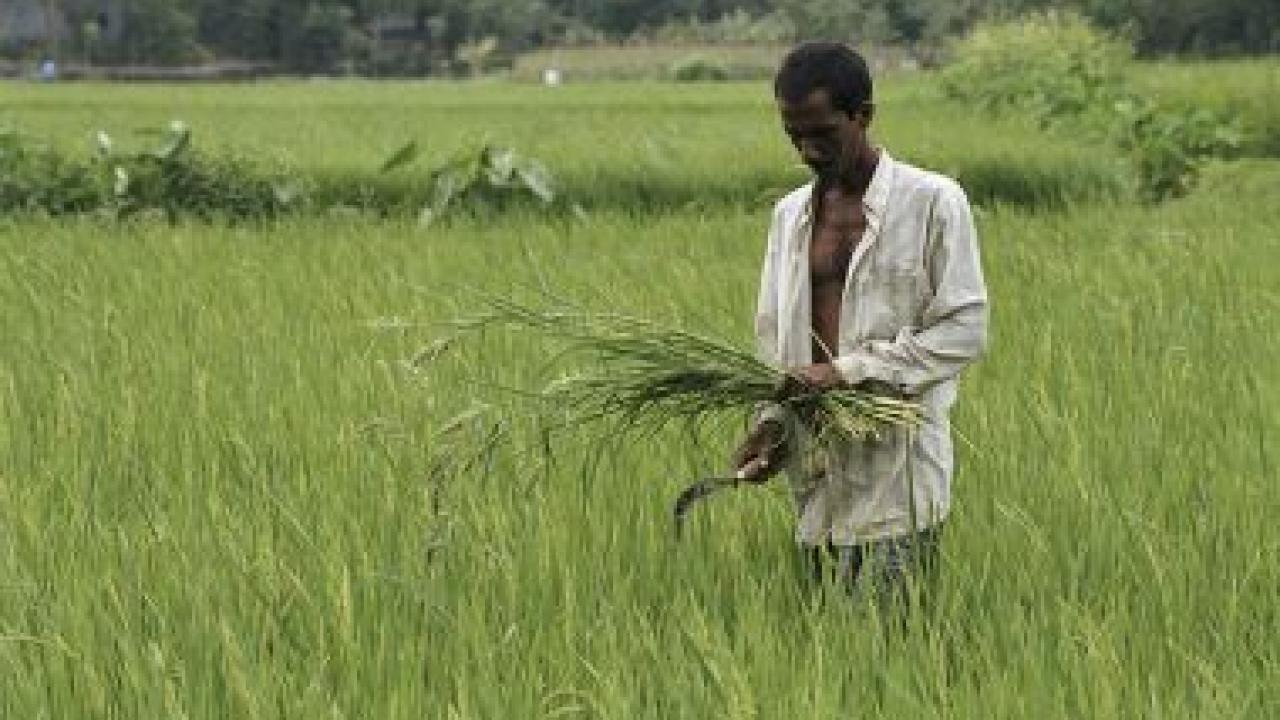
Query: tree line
[452, 36]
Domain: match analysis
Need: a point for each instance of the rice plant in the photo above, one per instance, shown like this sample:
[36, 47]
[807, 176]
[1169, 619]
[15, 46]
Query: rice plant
[640, 376]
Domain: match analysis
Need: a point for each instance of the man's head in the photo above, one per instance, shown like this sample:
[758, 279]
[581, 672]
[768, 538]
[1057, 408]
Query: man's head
[823, 90]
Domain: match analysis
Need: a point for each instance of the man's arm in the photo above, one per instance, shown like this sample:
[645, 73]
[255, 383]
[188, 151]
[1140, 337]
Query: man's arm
[758, 457]
[954, 323]
[766, 318]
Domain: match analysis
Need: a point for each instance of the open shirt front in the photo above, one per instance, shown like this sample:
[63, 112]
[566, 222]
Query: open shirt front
[913, 315]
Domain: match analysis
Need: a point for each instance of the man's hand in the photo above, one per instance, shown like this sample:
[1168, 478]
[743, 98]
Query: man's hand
[760, 456]
[824, 376]
[820, 376]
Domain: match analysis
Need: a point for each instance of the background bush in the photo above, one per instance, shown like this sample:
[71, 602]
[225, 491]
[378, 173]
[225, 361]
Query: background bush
[699, 69]
[1058, 70]
[1051, 65]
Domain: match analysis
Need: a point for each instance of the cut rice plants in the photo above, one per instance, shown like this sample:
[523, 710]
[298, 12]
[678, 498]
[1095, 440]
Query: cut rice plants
[640, 376]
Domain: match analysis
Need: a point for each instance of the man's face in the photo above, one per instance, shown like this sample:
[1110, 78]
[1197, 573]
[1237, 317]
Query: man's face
[829, 140]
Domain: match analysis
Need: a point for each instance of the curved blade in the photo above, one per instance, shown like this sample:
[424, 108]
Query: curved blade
[695, 492]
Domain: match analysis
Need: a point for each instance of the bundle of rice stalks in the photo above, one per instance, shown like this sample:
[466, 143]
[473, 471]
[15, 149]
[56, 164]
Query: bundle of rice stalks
[642, 376]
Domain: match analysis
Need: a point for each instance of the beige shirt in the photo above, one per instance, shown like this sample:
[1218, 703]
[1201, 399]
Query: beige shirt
[914, 314]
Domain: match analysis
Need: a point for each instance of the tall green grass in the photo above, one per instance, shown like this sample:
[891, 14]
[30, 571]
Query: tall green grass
[220, 494]
[217, 495]
[641, 147]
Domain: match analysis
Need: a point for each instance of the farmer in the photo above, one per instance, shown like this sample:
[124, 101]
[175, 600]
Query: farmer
[871, 279]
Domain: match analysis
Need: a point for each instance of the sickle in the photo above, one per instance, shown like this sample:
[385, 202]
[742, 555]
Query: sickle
[706, 487]
[699, 490]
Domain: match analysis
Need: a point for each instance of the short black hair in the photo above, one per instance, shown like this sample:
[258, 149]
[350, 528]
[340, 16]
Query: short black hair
[831, 66]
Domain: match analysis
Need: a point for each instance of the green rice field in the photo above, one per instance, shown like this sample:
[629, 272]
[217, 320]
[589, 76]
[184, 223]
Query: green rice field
[220, 485]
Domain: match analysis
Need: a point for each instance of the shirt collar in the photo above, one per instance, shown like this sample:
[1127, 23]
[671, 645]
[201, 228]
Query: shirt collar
[876, 197]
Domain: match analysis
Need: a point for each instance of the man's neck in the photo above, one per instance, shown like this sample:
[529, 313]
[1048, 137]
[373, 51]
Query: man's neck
[856, 181]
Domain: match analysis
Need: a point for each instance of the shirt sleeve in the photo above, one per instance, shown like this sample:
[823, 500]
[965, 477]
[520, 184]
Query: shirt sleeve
[953, 330]
[766, 318]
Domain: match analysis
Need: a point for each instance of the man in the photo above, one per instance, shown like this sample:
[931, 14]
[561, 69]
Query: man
[872, 279]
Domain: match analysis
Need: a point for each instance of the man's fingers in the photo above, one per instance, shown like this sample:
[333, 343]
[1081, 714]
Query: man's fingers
[754, 459]
[753, 469]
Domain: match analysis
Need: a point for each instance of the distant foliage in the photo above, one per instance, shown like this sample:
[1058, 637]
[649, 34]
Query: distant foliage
[34, 178]
[699, 69]
[1247, 89]
[735, 27]
[171, 178]
[489, 179]
[1057, 69]
[1053, 65]
[1167, 146]
[166, 177]
[485, 180]
[412, 37]
[161, 32]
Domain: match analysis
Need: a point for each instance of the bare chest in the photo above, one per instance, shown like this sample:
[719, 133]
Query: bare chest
[836, 235]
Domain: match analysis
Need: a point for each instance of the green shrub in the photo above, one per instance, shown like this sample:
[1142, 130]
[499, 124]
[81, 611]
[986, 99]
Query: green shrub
[1059, 70]
[1054, 65]
[1167, 146]
[490, 178]
[170, 177]
[166, 177]
[699, 69]
[1247, 89]
[34, 178]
